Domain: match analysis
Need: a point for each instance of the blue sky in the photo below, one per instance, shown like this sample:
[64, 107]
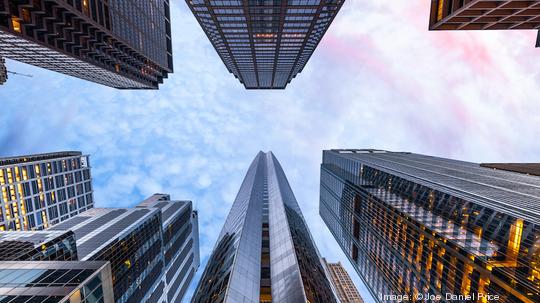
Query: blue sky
[379, 79]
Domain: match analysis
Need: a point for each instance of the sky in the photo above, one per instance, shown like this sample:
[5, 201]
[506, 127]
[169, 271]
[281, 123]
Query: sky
[379, 79]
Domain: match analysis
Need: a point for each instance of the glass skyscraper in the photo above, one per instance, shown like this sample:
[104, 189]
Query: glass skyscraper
[122, 44]
[152, 248]
[264, 252]
[41, 190]
[414, 225]
[265, 43]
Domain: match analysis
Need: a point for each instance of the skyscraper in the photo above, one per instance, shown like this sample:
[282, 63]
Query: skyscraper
[122, 44]
[42, 245]
[344, 286]
[264, 252]
[414, 224]
[41, 190]
[524, 168]
[484, 15]
[265, 44]
[153, 248]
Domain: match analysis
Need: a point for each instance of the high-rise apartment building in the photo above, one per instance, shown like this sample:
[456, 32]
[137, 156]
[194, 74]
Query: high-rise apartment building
[153, 248]
[265, 44]
[485, 15]
[41, 190]
[343, 284]
[122, 44]
[414, 224]
[55, 282]
[265, 252]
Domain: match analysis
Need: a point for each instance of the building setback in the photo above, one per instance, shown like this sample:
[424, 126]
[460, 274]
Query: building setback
[413, 224]
[55, 282]
[121, 44]
[41, 190]
[485, 15]
[264, 252]
[345, 289]
[265, 44]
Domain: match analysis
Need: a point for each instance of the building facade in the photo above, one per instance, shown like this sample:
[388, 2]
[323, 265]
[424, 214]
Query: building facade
[41, 190]
[152, 248]
[42, 245]
[121, 44]
[180, 247]
[265, 44]
[484, 15]
[55, 282]
[264, 252]
[343, 284]
[415, 225]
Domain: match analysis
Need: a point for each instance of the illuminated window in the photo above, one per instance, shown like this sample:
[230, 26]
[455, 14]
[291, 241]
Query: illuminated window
[15, 24]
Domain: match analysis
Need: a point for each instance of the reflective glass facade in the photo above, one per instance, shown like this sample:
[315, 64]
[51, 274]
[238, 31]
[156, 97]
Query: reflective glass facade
[264, 252]
[414, 224]
[120, 43]
[265, 43]
[38, 246]
[55, 282]
[484, 15]
[38, 191]
[180, 247]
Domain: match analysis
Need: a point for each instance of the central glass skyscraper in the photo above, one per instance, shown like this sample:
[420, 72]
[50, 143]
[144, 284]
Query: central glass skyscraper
[265, 252]
[414, 225]
[265, 43]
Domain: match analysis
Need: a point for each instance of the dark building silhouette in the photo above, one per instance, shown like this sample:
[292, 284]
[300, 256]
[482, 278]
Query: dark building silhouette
[265, 44]
[413, 224]
[122, 44]
[523, 168]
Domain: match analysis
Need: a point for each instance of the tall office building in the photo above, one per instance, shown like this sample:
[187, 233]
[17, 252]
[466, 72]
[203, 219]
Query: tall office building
[122, 44]
[153, 248]
[485, 15]
[343, 285]
[55, 282]
[264, 252]
[42, 245]
[265, 44]
[41, 190]
[414, 224]
[180, 247]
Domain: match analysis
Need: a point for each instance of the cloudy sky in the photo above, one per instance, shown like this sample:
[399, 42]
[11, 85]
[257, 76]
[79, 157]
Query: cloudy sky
[379, 79]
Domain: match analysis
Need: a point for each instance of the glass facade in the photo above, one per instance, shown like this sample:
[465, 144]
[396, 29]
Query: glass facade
[414, 224]
[265, 43]
[264, 252]
[38, 246]
[153, 249]
[55, 282]
[122, 44]
[38, 191]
